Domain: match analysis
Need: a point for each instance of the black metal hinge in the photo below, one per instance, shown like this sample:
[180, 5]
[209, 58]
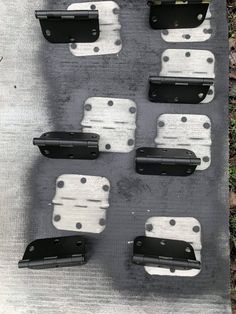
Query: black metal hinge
[179, 89]
[164, 253]
[68, 145]
[166, 162]
[170, 14]
[63, 26]
[54, 252]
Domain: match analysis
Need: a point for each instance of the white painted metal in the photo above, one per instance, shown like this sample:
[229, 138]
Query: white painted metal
[191, 132]
[114, 120]
[197, 34]
[81, 201]
[189, 63]
[176, 228]
[109, 41]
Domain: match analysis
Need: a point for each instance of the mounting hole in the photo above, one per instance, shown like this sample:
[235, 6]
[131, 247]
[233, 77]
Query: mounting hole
[210, 92]
[102, 222]
[93, 7]
[105, 188]
[78, 225]
[188, 54]
[96, 49]
[200, 17]
[57, 218]
[163, 242]
[48, 32]
[130, 142]
[116, 11]
[172, 222]
[196, 229]
[110, 103]
[83, 180]
[132, 109]
[161, 124]
[184, 119]
[187, 36]
[108, 146]
[60, 184]
[31, 248]
[149, 227]
[165, 32]
[118, 42]
[73, 46]
[166, 59]
[88, 107]
[206, 125]
[210, 60]
[172, 270]
[206, 159]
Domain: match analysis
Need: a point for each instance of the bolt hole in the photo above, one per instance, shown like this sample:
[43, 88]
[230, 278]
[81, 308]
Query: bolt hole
[132, 109]
[60, 184]
[96, 49]
[88, 107]
[108, 146]
[57, 218]
[172, 222]
[130, 142]
[149, 227]
[110, 103]
[78, 225]
[105, 188]
[166, 59]
[196, 229]
[184, 119]
[93, 7]
[83, 180]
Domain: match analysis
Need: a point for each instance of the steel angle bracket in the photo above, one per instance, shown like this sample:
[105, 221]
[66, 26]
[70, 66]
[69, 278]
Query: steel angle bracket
[171, 14]
[54, 252]
[179, 89]
[165, 253]
[62, 26]
[166, 162]
[68, 145]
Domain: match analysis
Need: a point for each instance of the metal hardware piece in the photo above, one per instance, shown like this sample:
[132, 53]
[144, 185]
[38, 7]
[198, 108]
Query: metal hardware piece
[179, 89]
[166, 162]
[68, 145]
[157, 252]
[171, 14]
[54, 252]
[63, 26]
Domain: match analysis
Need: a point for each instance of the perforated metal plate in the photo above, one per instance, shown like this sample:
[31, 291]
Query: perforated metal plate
[192, 132]
[80, 203]
[189, 63]
[198, 34]
[173, 228]
[109, 41]
[114, 120]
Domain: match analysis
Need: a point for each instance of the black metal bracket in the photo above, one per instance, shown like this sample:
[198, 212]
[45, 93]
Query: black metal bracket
[68, 145]
[54, 252]
[169, 14]
[178, 89]
[63, 26]
[166, 162]
[164, 253]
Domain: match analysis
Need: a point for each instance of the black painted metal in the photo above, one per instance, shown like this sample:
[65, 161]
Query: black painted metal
[54, 252]
[169, 14]
[63, 26]
[178, 89]
[165, 162]
[164, 253]
[68, 145]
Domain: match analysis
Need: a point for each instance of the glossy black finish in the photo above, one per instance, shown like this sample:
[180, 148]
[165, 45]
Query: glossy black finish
[63, 26]
[54, 252]
[165, 162]
[68, 145]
